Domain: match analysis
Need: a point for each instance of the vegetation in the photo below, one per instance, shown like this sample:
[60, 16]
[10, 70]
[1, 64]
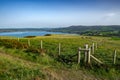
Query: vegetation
[30, 36]
[112, 30]
[48, 35]
[21, 61]
[101, 30]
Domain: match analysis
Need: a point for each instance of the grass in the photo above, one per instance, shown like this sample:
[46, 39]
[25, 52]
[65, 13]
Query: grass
[29, 63]
[13, 68]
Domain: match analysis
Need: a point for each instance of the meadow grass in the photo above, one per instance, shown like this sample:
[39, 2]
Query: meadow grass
[69, 47]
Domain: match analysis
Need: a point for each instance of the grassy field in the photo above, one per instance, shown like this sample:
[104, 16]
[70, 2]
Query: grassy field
[20, 61]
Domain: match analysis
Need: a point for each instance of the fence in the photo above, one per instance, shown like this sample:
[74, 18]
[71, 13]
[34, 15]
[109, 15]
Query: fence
[88, 52]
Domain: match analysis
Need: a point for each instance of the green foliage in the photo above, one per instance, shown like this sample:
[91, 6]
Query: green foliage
[115, 38]
[12, 68]
[11, 43]
[20, 73]
[48, 34]
[30, 36]
[108, 31]
[67, 59]
[32, 50]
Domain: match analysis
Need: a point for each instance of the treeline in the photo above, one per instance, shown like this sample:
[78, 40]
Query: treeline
[112, 30]
[102, 33]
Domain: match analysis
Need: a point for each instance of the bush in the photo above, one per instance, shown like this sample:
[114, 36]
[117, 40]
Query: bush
[48, 35]
[30, 36]
[13, 44]
[32, 50]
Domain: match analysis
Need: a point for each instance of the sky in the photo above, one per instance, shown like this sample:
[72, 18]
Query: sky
[58, 13]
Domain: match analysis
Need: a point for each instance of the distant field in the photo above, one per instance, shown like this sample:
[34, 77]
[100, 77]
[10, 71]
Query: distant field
[23, 58]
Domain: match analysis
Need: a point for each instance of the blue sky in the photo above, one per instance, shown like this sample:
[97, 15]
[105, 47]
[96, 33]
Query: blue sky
[58, 13]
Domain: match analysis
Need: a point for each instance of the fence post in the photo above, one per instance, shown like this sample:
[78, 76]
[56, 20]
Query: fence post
[41, 44]
[93, 46]
[59, 49]
[29, 42]
[96, 59]
[114, 57]
[89, 52]
[86, 47]
[79, 55]
[18, 39]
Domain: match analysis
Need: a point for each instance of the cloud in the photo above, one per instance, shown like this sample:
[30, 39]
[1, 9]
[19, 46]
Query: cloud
[109, 18]
[111, 14]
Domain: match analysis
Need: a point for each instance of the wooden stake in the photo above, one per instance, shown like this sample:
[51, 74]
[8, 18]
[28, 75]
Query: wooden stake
[93, 46]
[89, 52]
[86, 47]
[114, 57]
[28, 42]
[96, 59]
[79, 55]
[41, 43]
[18, 39]
[59, 48]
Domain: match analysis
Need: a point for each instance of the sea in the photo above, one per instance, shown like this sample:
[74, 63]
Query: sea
[28, 33]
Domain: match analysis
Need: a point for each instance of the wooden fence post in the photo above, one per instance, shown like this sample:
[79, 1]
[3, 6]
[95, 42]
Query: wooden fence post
[18, 39]
[41, 44]
[59, 49]
[96, 59]
[114, 57]
[79, 55]
[86, 47]
[29, 42]
[93, 47]
[89, 53]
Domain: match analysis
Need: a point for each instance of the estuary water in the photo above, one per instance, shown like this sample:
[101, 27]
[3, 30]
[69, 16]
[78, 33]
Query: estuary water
[28, 33]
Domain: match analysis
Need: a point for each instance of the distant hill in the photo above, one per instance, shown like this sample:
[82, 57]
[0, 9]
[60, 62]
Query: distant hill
[112, 30]
[22, 29]
[102, 30]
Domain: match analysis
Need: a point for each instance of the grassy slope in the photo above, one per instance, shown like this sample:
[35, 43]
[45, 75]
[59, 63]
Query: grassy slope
[29, 66]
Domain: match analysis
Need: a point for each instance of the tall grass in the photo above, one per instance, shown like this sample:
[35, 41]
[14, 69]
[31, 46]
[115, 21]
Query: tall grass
[69, 48]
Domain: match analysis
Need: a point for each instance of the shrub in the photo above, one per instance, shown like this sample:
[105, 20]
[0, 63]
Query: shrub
[47, 34]
[12, 44]
[29, 36]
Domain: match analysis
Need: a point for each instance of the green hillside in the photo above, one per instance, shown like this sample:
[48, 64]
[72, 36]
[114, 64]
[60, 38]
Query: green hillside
[108, 30]
[24, 59]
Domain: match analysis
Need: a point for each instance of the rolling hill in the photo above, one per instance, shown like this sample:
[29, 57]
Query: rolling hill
[112, 30]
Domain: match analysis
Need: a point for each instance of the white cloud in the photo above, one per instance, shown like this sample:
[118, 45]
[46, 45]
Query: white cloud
[109, 18]
[111, 14]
